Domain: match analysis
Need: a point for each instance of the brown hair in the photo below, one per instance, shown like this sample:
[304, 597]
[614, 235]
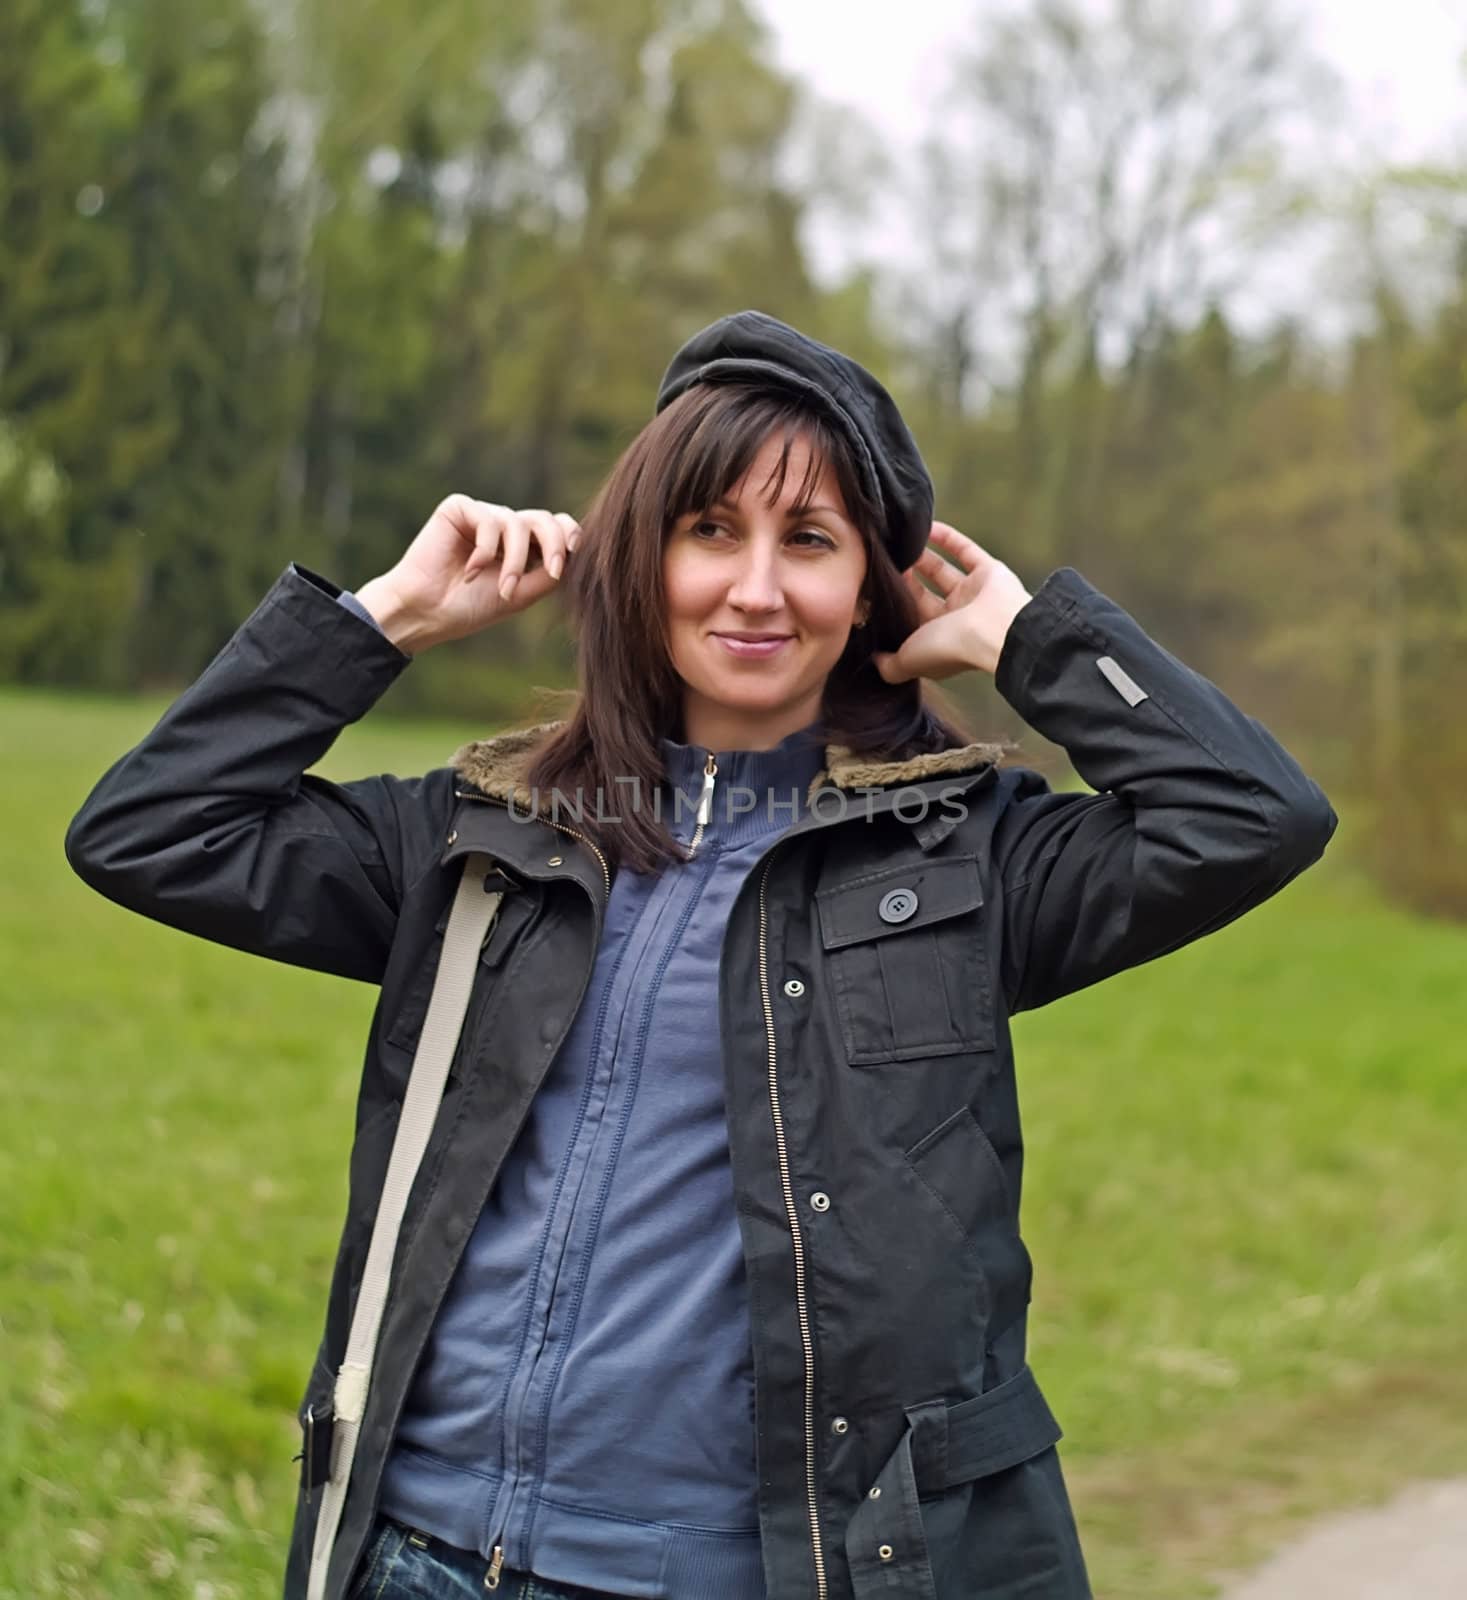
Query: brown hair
[629, 692]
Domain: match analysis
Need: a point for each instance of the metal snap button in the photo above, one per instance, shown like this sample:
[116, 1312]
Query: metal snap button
[874, 1492]
[885, 1552]
[897, 905]
[794, 988]
[554, 861]
[839, 1425]
[452, 835]
[820, 1200]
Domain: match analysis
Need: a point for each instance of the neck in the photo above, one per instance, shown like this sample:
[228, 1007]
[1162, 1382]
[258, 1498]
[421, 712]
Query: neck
[753, 790]
[709, 726]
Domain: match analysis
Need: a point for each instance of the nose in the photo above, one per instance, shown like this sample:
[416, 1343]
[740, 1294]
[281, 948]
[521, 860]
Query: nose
[755, 586]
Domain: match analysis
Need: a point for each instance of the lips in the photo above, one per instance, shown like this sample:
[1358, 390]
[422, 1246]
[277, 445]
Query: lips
[756, 649]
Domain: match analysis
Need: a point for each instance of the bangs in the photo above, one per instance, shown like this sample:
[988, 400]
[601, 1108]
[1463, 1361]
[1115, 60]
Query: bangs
[735, 423]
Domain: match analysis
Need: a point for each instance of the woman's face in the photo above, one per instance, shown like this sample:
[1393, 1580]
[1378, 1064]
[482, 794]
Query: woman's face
[748, 567]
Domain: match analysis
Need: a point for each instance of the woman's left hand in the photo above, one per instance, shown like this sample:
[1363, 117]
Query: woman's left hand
[965, 623]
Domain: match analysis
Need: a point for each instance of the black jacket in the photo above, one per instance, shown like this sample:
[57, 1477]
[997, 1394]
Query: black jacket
[904, 1447]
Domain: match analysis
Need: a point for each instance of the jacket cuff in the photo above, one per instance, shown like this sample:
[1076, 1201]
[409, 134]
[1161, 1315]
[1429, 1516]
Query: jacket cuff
[303, 612]
[1032, 627]
[1135, 720]
[349, 600]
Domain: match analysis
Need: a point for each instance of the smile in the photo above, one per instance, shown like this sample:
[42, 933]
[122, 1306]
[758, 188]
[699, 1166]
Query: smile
[753, 649]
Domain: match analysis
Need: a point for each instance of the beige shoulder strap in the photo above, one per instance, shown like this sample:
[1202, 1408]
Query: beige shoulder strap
[475, 907]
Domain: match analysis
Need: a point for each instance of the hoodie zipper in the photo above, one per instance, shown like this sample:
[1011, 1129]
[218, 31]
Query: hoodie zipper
[801, 1308]
[705, 812]
[705, 804]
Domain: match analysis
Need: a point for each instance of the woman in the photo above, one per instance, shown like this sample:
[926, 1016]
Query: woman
[711, 1284]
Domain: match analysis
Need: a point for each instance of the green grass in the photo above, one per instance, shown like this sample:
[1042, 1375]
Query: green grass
[1244, 1199]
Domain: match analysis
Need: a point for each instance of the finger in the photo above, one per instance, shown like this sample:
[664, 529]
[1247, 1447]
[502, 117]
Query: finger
[971, 556]
[516, 540]
[943, 574]
[533, 586]
[550, 539]
[460, 512]
[571, 527]
[929, 605]
[488, 530]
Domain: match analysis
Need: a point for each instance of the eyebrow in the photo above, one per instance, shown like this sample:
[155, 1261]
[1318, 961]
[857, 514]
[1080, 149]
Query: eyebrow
[793, 513]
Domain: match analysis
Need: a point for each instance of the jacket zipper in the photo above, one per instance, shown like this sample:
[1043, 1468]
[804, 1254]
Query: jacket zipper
[705, 804]
[789, 1202]
[496, 1561]
[575, 833]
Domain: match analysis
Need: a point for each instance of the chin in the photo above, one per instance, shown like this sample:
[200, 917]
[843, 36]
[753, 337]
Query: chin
[748, 697]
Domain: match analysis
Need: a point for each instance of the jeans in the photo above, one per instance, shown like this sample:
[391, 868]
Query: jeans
[403, 1563]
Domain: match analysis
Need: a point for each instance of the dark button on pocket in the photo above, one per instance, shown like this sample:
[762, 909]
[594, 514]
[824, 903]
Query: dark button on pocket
[897, 905]
[907, 962]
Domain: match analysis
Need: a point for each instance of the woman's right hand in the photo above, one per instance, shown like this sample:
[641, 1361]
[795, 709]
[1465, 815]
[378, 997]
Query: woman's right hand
[451, 581]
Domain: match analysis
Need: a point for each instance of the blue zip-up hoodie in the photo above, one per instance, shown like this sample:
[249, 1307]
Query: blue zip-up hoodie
[586, 1398]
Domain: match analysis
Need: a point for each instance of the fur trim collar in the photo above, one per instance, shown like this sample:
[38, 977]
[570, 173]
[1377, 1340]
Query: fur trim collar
[498, 766]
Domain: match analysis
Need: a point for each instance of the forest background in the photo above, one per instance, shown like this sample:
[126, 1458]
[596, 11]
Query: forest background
[276, 275]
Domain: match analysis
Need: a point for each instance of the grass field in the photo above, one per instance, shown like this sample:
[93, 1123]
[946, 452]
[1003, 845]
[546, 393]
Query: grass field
[1244, 1197]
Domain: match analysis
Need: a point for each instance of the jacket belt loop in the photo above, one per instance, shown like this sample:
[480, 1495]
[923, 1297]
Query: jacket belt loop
[890, 1520]
[944, 1444]
[929, 1444]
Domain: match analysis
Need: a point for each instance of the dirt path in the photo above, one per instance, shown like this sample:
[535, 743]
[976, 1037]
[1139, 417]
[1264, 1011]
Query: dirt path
[1412, 1548]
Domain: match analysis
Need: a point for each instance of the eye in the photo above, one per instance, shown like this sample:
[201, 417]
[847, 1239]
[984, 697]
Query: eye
[704, 529]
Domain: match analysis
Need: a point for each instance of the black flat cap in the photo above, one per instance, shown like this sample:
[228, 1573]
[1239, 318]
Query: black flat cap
[752, 347]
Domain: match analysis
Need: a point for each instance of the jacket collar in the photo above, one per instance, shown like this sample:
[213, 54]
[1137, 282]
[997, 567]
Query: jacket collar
[498, 766]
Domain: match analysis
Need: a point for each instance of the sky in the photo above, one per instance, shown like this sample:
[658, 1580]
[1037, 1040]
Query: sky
[1404, 62]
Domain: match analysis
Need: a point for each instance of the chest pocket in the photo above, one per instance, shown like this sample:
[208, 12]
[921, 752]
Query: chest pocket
[516, 911]
[906, 959]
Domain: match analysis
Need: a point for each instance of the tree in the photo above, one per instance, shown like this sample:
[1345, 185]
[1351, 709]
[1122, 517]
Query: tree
[83, 412]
